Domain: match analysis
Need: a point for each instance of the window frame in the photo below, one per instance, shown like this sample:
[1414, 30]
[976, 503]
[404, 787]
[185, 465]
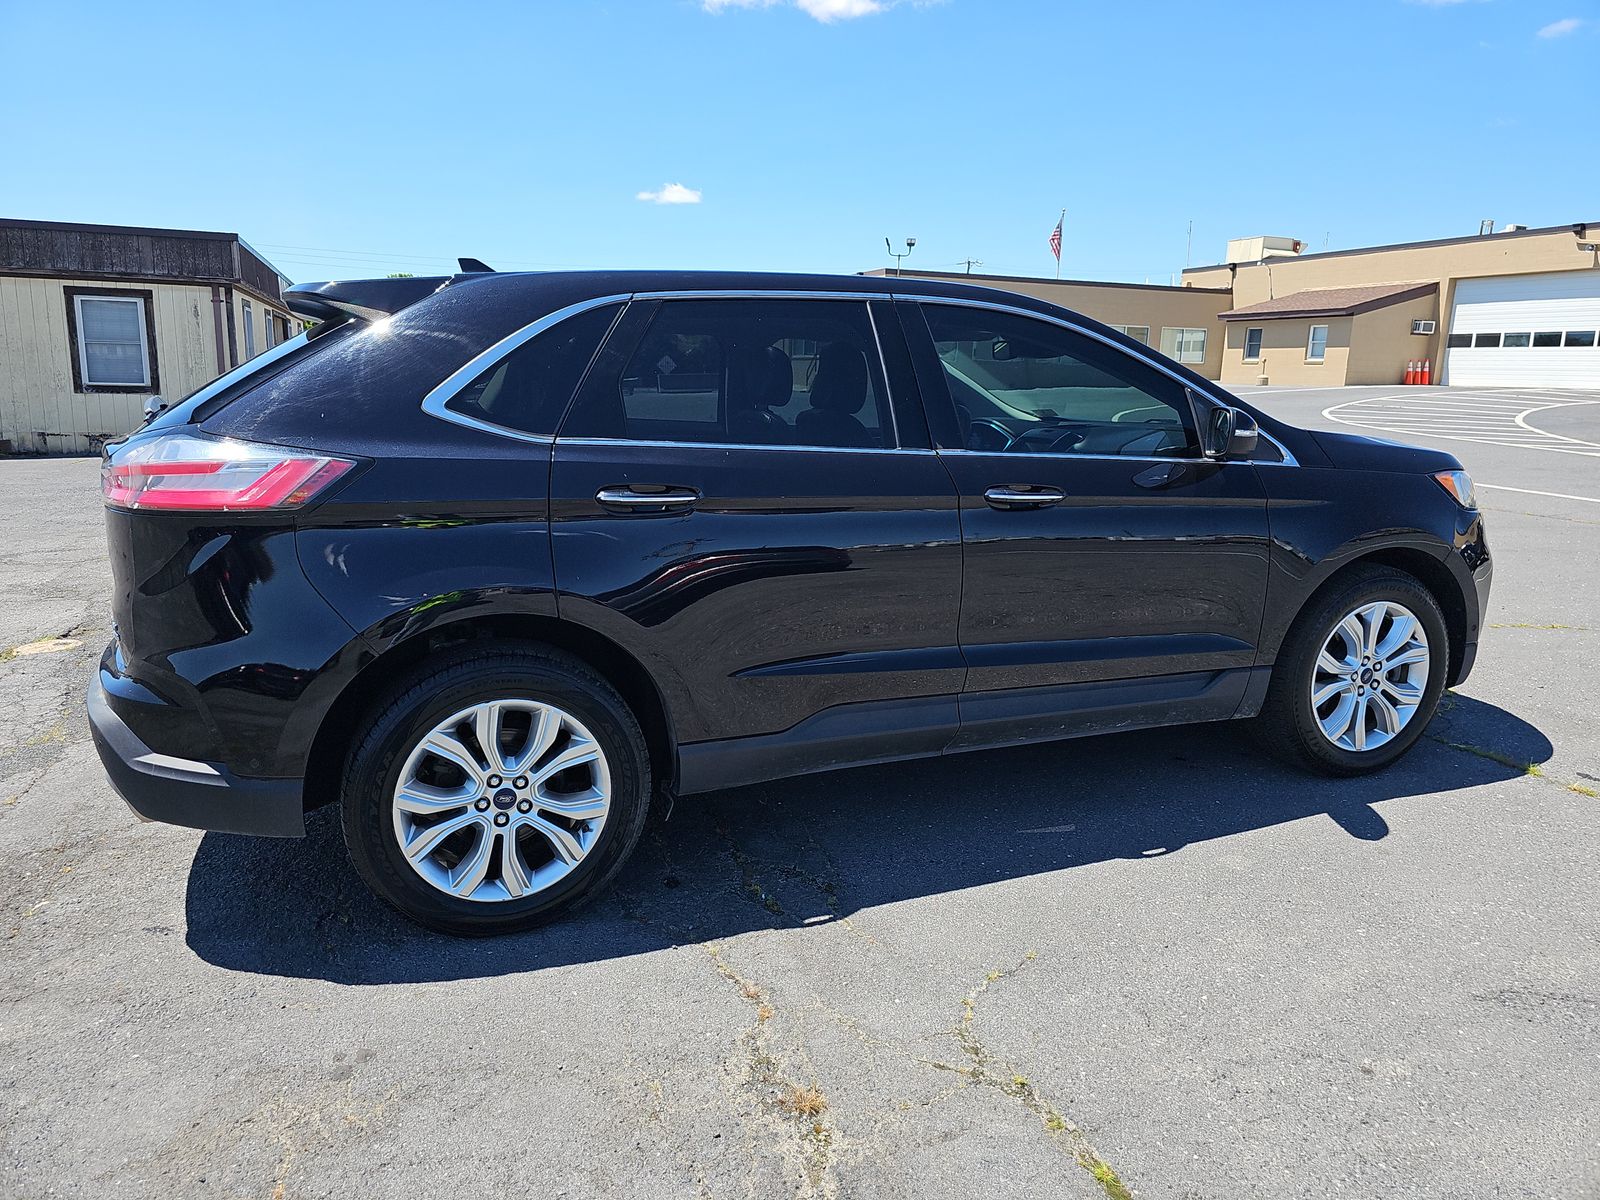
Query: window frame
[1177, 345]
[935, 389]
[1260, 332]
[77, 344]
[247, 320]
[896, 437]
[1311, 339]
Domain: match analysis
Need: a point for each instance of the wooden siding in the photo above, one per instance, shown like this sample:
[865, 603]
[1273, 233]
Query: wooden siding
[64, 251]
[40, 412]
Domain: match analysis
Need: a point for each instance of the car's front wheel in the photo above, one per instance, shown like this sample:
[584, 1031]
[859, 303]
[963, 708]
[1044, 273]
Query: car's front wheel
[1360, 674]
[495, 790]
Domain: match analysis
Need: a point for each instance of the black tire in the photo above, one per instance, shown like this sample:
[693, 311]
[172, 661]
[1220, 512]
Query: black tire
[1288, 725]
[430, 694]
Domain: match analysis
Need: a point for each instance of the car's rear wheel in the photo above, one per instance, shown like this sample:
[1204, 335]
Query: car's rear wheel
[495, 790]
[1359, 676]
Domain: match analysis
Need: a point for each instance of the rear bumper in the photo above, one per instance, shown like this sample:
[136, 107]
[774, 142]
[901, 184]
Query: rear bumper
[185, 791]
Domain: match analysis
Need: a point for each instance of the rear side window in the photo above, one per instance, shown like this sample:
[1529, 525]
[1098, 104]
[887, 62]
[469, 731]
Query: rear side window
[530, 388]
[746, 372]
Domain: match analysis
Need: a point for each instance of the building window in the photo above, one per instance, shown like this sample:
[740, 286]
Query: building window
[1458, 341]
[1580, 337]
[1317, 344]
[1546, 340]
[1184, 345]
[111, 340]
[1139, 333]
[249, 332]
[272, 330]
[1252, 345]
[1485, 341]
[1516, 340]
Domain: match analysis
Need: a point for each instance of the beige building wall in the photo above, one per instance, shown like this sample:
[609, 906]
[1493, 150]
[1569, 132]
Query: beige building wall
[1521, 253]
[41, 409]
[1382, 342]
[1283, 352]
[1121, 304]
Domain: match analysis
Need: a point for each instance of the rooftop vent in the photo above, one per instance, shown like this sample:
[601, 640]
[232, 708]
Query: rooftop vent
[1249, 250]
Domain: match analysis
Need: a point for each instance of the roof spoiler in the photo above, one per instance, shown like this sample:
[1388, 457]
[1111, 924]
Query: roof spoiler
[364, 299]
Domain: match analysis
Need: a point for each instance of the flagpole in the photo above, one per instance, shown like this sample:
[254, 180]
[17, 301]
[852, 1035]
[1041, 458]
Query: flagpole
[1061, 224]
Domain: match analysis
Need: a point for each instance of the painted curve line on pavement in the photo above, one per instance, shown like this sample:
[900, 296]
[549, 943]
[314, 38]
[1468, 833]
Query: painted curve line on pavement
[1466, 416]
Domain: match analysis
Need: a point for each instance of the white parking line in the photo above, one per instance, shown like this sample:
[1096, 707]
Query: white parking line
[1500, 487]
[1469, 417]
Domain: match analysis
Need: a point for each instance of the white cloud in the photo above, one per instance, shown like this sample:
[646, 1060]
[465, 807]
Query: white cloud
[826, 11]
[1561, 28]
[671, 193]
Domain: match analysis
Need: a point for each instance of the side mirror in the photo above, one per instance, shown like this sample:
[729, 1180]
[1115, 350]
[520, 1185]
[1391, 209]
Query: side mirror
[154, 406]
[1228, 433]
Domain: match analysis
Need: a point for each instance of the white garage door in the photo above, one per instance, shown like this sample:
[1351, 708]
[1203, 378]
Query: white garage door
[1526, 331]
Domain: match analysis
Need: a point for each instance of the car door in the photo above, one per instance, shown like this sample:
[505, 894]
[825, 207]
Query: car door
[1114, 575]
[744, 498]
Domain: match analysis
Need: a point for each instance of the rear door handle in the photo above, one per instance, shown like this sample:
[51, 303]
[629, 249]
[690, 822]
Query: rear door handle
[645, 498]
[1023, 495]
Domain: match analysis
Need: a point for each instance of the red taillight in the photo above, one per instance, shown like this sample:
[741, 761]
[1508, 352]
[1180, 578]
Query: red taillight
[181, 471]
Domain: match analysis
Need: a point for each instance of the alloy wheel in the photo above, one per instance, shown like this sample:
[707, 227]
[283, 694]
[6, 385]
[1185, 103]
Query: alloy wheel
[1370, 677]
[501, 800]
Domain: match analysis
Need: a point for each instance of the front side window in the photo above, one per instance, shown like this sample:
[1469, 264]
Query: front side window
[1252, 345]
[530, 388]
[112, 345]
[1317, 344]
[1027, 386]
[1184, 345]
[746, 372]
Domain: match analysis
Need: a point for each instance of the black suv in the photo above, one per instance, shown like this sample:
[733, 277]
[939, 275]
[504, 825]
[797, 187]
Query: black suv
[492, 560]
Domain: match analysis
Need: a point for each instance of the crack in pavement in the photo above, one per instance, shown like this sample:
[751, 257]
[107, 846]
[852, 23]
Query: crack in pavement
[792, 1116]
[984, 1069]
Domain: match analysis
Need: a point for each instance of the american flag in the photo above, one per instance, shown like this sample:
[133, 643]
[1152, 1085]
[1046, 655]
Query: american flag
[1055, 238]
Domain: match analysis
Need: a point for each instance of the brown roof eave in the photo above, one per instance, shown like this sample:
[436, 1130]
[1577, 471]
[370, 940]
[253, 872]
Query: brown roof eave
[1254, 313]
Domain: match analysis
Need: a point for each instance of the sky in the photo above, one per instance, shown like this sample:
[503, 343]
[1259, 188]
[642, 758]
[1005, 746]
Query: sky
[345, 139]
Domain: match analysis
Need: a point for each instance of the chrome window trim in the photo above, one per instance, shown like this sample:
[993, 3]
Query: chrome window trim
[760, 294]
[883, 373]
[435, 402]
[664, 445]
[1289, 459]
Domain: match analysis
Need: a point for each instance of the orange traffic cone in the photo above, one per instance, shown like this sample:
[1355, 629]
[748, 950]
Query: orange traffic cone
[1427, 372]
[1411, 371]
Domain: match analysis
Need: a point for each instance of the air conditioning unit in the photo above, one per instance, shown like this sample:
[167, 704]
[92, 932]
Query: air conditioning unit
[1424, 327]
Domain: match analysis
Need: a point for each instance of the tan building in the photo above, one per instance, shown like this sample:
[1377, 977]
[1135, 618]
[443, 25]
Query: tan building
[1518, 308]
[1182, 322]
[96, 319]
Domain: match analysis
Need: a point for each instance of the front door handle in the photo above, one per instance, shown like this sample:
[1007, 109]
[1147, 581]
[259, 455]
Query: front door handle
[646, 498]
[1013, 496]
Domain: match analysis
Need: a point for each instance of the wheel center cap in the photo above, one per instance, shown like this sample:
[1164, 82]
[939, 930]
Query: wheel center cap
[1366, 677]
[504, 799]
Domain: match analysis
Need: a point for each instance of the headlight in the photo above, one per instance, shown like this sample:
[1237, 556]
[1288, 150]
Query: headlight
[1459, 485]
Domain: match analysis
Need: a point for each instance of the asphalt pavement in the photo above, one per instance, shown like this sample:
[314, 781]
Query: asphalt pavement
[1155, 962]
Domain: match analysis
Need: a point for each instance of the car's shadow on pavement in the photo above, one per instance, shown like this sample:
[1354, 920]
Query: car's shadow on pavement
[810, 850]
